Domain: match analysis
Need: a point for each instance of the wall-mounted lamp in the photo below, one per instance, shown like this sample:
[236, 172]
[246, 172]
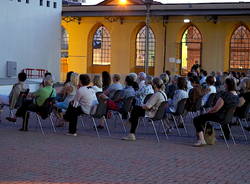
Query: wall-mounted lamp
[186, 21]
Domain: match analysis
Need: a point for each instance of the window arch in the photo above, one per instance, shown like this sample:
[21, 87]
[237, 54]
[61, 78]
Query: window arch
[101, 47]
[240, 48]
[64, 43]
[141, 48]
[191, 48]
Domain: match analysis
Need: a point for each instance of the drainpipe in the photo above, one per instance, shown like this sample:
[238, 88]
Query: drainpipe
[165, 21]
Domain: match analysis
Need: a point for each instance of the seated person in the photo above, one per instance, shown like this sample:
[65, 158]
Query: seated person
[149, 109]
[82, 104]
[179, 94]
[45, 75]
[17, 88]
[60, 96]
[97, 84]
[209, 90]
[117, 105]
[135, 84]
[127, 92]
[170, 89]
[195, 94]
[141, 79]
[244, 102]
[114, 87]
[39, 97]
[228, 99]
[69, 92]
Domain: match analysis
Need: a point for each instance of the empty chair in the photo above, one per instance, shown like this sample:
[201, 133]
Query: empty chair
[179, 114]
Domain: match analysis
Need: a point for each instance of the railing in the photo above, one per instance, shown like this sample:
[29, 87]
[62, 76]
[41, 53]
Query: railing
[34, 73]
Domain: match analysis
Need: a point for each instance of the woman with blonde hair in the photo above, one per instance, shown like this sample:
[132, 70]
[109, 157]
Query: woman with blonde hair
[97, 83]
[69, 92]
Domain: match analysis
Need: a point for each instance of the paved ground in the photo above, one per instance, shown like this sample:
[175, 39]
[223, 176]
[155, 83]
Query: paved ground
[30, 157]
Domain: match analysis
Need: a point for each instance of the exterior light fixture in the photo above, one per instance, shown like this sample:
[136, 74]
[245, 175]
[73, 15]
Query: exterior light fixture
[123, 2]
[186, 21]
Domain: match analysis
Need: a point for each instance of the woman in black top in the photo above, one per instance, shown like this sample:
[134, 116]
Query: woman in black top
[227, 100]
[106, 80]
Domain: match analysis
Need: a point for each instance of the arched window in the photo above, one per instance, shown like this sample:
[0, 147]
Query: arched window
[240, 48]
[64, 43]
[190, 49]
[141, 48]
[101, 47]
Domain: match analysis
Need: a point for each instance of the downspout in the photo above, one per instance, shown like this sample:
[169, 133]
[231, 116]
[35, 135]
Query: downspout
[165, 21]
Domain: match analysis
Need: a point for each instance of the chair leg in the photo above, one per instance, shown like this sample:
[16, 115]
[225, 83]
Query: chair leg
[105, 121]
[40, 124]
[224, 136]
[97, 132]
[231, 133]
[163, 126]
[242, 128]
[82, 122]
[156, 134]
[184, 124]
[124, 128]
[52, 123]
[245, 120]
[176, 125]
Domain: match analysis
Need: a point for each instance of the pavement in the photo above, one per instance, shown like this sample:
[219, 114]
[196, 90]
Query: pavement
[31, 158]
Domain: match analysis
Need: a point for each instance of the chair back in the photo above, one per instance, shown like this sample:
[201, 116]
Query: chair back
[147, 98]
[198, 104]
[22, 96]
[98, 94]
[181, 107]
[101, 109]
[229, 115]
[242, 112]
[161, 111]
[127, 106]
[210, 100]
[117, 95]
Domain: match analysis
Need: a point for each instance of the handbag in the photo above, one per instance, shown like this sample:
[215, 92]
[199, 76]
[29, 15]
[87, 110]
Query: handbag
[209, 135]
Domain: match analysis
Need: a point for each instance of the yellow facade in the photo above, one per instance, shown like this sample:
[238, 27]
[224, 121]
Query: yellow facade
[215, 41]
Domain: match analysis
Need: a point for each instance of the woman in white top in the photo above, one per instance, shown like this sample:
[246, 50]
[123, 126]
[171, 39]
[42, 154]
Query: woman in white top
[210, 89]
[82, 104]
[149, 109]
[179, 94]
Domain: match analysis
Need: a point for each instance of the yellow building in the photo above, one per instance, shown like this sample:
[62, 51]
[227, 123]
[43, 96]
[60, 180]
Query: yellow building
[111, 36]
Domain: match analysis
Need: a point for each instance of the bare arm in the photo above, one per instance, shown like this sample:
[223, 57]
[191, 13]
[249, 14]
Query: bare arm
[219, 104]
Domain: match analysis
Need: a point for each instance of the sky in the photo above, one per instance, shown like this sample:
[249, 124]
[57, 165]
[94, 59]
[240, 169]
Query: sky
[177, 1]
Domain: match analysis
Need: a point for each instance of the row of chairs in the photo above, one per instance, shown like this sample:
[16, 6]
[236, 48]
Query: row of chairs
[101, 112]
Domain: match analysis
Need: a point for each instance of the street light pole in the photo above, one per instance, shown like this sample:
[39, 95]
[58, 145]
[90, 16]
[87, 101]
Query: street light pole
[148, 4]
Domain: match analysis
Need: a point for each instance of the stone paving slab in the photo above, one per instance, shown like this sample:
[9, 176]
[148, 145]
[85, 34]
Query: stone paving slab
[30, 157]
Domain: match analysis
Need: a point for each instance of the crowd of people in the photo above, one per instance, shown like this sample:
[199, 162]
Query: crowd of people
[81, 95]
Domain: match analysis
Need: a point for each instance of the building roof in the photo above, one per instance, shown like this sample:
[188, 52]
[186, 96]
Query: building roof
[160, 10]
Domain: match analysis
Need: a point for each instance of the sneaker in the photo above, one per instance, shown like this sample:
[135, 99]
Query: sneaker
[200, 143]
[130, 137]
[69, 134]
[23, 130]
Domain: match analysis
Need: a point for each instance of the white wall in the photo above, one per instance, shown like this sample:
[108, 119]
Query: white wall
[30, 35]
